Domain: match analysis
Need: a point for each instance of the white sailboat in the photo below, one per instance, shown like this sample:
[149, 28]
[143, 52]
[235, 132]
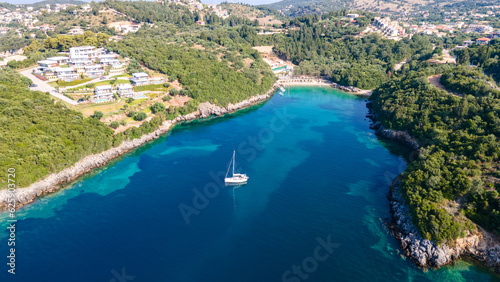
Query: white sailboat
[236, 178]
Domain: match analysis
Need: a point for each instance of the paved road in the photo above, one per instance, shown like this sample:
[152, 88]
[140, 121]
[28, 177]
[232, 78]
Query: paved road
[45, 87]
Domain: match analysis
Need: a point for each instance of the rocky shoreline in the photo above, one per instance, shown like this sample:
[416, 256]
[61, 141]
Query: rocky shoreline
[351, 89]
[424, 253]
[55, 181]
[481, 246]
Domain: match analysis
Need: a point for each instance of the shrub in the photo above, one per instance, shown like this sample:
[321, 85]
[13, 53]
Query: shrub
[97, 115]
[114, 124]
[140, 116]
[157, 107]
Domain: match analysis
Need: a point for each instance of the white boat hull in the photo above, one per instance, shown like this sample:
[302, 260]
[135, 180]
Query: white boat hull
[236, 179]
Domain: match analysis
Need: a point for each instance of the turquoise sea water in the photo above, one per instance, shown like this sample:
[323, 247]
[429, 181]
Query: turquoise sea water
[315, 207]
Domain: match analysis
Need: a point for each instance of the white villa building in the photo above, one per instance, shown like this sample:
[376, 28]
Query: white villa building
[87, 60]
[66, 74]
[125, 27]
[81, 60]
[48, 64]
[94, 70]
[59, 59]
[103, 92]
[82, 51]
[109, 59]
[125, 91]
[140, 78]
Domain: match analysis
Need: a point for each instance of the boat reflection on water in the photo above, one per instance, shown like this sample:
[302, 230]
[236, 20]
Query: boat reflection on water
[235, 186]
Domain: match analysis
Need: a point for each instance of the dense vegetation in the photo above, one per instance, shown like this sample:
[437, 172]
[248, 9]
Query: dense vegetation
[295, 8]
[458, 161]
[224, 70]
[328, 46]
[469, 80]
[12, 41]
[39, 137]
[41, 49]
[486, 57]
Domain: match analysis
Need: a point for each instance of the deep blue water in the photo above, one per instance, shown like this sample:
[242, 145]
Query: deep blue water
[316, 199]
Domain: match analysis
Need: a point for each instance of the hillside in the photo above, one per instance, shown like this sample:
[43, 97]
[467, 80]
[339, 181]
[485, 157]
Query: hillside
[52, 2]
[263, 14]
[299, 7]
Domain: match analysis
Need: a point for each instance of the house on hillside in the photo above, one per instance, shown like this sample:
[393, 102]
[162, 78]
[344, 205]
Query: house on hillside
[94, 70]
[66, 74]
[125, 91]
[482, 41]
[140, 78]
[82, 55]
[109, 59]
[47, 64]
[59, 59]
[103, 92]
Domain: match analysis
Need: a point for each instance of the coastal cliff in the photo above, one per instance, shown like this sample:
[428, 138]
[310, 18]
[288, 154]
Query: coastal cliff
[56, 181]
[425, 253]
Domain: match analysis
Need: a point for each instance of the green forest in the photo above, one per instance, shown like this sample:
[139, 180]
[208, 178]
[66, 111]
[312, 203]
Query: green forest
[40, 137]
[223, 69]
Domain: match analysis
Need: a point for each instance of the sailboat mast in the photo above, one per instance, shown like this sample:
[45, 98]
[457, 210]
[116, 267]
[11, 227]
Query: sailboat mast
[234, 152]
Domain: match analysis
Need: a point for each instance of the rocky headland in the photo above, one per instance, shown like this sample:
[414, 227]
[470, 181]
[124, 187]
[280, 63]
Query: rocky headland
[481, 245]
[56, 181]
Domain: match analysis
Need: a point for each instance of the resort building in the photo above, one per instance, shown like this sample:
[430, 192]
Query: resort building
[140, 78]
[389, 28]
[47, 64]
[83, 55]
[125, 91]
[66, 74]
[60, 59]
[80, 61]
[109, 59]
[94, 70]
[88, 51]
[103, 92]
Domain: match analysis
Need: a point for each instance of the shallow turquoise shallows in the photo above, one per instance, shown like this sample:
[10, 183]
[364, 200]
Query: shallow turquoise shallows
[314, 209]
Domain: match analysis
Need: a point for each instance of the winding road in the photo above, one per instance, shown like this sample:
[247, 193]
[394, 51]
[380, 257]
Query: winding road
[45, 87]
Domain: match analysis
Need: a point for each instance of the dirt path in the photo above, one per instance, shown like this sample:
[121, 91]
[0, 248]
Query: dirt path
[436, 81]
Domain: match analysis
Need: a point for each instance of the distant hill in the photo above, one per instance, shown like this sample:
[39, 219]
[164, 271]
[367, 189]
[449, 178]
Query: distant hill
[300, 7]
[52, 2]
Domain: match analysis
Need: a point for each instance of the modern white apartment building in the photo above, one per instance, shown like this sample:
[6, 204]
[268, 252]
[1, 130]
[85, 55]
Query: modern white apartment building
[66, 74]
[103, 92]
[109, 59]
[125, 91]
[47, 65]
[59, 59]
[88, 51]
[94, 70]
[140, 78]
